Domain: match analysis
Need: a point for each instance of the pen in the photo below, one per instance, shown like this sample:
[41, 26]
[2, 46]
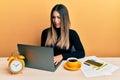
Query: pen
[87, 64]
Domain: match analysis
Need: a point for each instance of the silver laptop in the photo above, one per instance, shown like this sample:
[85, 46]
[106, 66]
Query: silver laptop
[38, 57]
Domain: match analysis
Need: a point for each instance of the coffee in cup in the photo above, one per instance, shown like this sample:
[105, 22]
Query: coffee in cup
[73, 63]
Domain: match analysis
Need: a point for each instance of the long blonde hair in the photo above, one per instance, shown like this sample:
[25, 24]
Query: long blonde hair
[63, 40]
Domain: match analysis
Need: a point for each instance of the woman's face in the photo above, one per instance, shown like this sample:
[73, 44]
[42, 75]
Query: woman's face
[56, 19]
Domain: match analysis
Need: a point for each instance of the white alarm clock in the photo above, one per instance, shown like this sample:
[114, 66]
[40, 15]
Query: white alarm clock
[16, 64]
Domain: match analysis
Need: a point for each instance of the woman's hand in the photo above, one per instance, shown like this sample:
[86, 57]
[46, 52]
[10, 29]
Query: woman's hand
[57, 59]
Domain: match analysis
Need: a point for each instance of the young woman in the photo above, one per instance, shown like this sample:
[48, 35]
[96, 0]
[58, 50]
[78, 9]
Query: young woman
[60, 37]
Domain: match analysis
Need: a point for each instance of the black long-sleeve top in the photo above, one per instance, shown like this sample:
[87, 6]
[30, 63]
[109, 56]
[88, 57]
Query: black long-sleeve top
[74, 41]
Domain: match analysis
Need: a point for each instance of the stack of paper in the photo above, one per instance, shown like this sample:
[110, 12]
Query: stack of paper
[92, 71]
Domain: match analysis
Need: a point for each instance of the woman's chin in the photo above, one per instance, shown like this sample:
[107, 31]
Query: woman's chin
[57, 27]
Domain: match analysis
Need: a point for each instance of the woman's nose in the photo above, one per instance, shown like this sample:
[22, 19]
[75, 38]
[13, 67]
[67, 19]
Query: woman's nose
[56, 20]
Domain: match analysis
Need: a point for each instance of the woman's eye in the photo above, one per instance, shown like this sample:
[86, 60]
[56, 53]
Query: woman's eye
[58, 17]
[53, 17]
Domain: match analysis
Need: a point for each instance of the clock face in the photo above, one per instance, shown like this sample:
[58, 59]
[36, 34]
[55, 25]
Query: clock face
[16, 66]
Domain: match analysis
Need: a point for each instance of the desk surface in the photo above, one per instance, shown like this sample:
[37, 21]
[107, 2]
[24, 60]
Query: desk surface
[59, 74]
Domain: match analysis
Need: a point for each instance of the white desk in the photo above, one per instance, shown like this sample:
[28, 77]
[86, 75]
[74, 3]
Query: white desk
[59, 74]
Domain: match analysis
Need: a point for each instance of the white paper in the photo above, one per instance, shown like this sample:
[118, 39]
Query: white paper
[89, 71]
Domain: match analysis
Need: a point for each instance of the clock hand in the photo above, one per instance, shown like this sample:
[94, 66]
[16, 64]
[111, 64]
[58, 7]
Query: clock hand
[14, 64]
[17, 65]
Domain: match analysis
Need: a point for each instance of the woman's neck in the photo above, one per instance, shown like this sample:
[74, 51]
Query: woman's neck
[58, 31]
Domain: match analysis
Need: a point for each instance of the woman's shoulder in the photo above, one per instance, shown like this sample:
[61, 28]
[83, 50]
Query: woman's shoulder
[45, 30]
[71, 31]
[73, 34]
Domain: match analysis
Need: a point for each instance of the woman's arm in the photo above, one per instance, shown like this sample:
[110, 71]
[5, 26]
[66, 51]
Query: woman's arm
[79, 50]
[44, 37]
